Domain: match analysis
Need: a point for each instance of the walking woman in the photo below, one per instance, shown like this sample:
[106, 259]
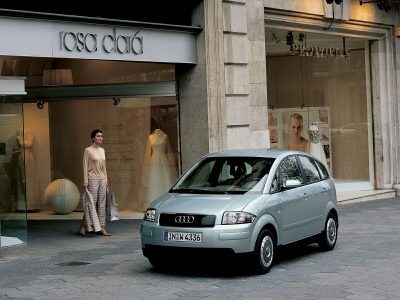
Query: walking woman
[95, 181]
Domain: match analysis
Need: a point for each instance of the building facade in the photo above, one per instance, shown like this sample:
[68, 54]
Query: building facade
[222, 75]
[342, 74]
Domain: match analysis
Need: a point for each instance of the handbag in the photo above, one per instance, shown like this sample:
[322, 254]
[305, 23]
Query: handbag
[112, 207]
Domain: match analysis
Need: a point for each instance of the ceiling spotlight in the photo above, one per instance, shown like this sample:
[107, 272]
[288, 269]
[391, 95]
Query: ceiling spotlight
[381, 4]
[40, 104]
[338, 2]
[116, 100]
[289, 38]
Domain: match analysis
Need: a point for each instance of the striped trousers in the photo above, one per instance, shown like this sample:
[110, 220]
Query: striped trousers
[98, 189]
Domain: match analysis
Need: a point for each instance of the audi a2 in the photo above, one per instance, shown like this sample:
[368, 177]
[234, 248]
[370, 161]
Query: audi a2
[243, 202]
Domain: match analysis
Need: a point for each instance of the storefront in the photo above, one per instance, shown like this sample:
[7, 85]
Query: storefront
[322, 80]
[233, 75]
[332, 65]
[78, 77]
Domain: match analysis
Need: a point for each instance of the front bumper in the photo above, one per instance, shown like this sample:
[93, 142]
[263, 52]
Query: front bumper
[230, 238]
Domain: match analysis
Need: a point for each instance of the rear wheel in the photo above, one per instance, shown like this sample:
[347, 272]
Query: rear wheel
[328, 237]
[264, 252]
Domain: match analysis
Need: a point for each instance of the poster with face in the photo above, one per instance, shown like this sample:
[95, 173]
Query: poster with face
[272, 118]
[294, 128]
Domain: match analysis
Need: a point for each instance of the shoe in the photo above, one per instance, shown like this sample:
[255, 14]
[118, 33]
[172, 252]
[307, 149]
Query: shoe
[82, 230]
[103, 232]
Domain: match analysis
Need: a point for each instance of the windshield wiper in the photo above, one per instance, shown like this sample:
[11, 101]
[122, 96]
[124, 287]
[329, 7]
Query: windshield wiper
[190, 191]
[234, 192]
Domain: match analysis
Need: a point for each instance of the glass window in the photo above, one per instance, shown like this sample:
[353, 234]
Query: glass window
[310, 171]
[275, 185]
[289, 170]
[322, 170]
[14, 152]
[307, 87]
[140, 143]
[225, 175]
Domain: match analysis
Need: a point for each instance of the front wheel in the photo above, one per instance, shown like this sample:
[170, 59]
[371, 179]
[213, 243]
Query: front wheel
[264, 252]
[328, 237]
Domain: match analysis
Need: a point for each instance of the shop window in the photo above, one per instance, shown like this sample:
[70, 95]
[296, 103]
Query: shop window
[327, 91]
[140, 142]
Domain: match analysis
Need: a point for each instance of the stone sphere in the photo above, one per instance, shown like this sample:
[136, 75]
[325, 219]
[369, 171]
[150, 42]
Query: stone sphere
[62, 195]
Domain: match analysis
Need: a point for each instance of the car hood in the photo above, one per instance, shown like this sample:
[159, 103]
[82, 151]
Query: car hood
[202, 203]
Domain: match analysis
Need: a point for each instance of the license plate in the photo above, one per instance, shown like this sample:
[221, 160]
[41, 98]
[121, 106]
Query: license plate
[183, 237]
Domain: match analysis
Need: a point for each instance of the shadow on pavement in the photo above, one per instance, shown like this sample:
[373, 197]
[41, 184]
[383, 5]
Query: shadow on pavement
[232, 267]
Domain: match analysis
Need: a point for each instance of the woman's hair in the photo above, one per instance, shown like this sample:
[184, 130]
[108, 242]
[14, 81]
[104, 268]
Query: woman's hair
[94, 132]
[296, 116]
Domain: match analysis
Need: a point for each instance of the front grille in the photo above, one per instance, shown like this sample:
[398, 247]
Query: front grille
[187, 220]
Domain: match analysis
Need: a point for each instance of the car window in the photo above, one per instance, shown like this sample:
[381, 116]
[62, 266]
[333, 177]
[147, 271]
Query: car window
[322, 170]
[310, 171]
[289, 169]
[275, 185]
[226, 175]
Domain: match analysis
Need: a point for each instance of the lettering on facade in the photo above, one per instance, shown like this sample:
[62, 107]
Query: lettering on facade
[109, 43]
[319, 52]
[121, 155]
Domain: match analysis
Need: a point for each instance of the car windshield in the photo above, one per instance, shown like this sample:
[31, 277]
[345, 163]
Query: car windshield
[225, 175]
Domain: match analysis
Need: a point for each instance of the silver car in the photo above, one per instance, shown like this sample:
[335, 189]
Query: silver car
[243, 202]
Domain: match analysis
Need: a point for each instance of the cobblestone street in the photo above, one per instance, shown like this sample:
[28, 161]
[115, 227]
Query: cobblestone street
[59, 264]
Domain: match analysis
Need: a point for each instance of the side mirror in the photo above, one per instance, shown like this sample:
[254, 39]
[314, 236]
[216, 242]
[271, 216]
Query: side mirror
[291, 183]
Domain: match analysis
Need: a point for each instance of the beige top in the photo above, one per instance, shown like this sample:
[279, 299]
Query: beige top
[94, 163]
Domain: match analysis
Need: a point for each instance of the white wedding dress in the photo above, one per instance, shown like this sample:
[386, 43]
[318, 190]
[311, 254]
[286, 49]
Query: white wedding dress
[159, 170]
[315, 145]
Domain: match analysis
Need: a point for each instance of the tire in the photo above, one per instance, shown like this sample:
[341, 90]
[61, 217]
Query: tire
[264, 252]
[328, 237]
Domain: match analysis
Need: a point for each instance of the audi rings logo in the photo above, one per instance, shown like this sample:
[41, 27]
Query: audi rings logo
[184, 219]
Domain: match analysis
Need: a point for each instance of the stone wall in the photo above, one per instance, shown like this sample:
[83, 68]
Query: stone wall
[231, 98]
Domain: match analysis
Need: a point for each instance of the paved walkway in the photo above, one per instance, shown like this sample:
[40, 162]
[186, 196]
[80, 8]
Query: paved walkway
[59, 264]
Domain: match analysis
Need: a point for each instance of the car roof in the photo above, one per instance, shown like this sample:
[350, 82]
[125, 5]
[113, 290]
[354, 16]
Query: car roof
[268, 153]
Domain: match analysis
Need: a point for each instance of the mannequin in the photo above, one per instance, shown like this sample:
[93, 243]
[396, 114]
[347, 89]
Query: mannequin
[159, 171]
[26, 140]
[315, 145]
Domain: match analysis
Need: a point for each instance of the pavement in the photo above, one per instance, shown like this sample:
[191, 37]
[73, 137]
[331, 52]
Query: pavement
[57, 263]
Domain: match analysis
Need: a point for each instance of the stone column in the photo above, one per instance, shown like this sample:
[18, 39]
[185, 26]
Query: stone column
[384, 119]
[245, 75]
[223, 99]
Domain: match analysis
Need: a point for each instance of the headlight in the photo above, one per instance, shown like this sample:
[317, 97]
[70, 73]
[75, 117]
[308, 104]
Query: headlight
[150, 215]
[237, 217]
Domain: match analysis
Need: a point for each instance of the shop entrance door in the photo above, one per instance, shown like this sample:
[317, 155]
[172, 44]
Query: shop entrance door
[13, 222]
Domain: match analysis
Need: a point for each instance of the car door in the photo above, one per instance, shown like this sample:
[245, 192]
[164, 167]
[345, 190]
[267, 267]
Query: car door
[294, 212]
[314, 202]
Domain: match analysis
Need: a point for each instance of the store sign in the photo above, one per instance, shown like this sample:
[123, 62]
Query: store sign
[319, 52]
[57, 39]
[109, 43]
